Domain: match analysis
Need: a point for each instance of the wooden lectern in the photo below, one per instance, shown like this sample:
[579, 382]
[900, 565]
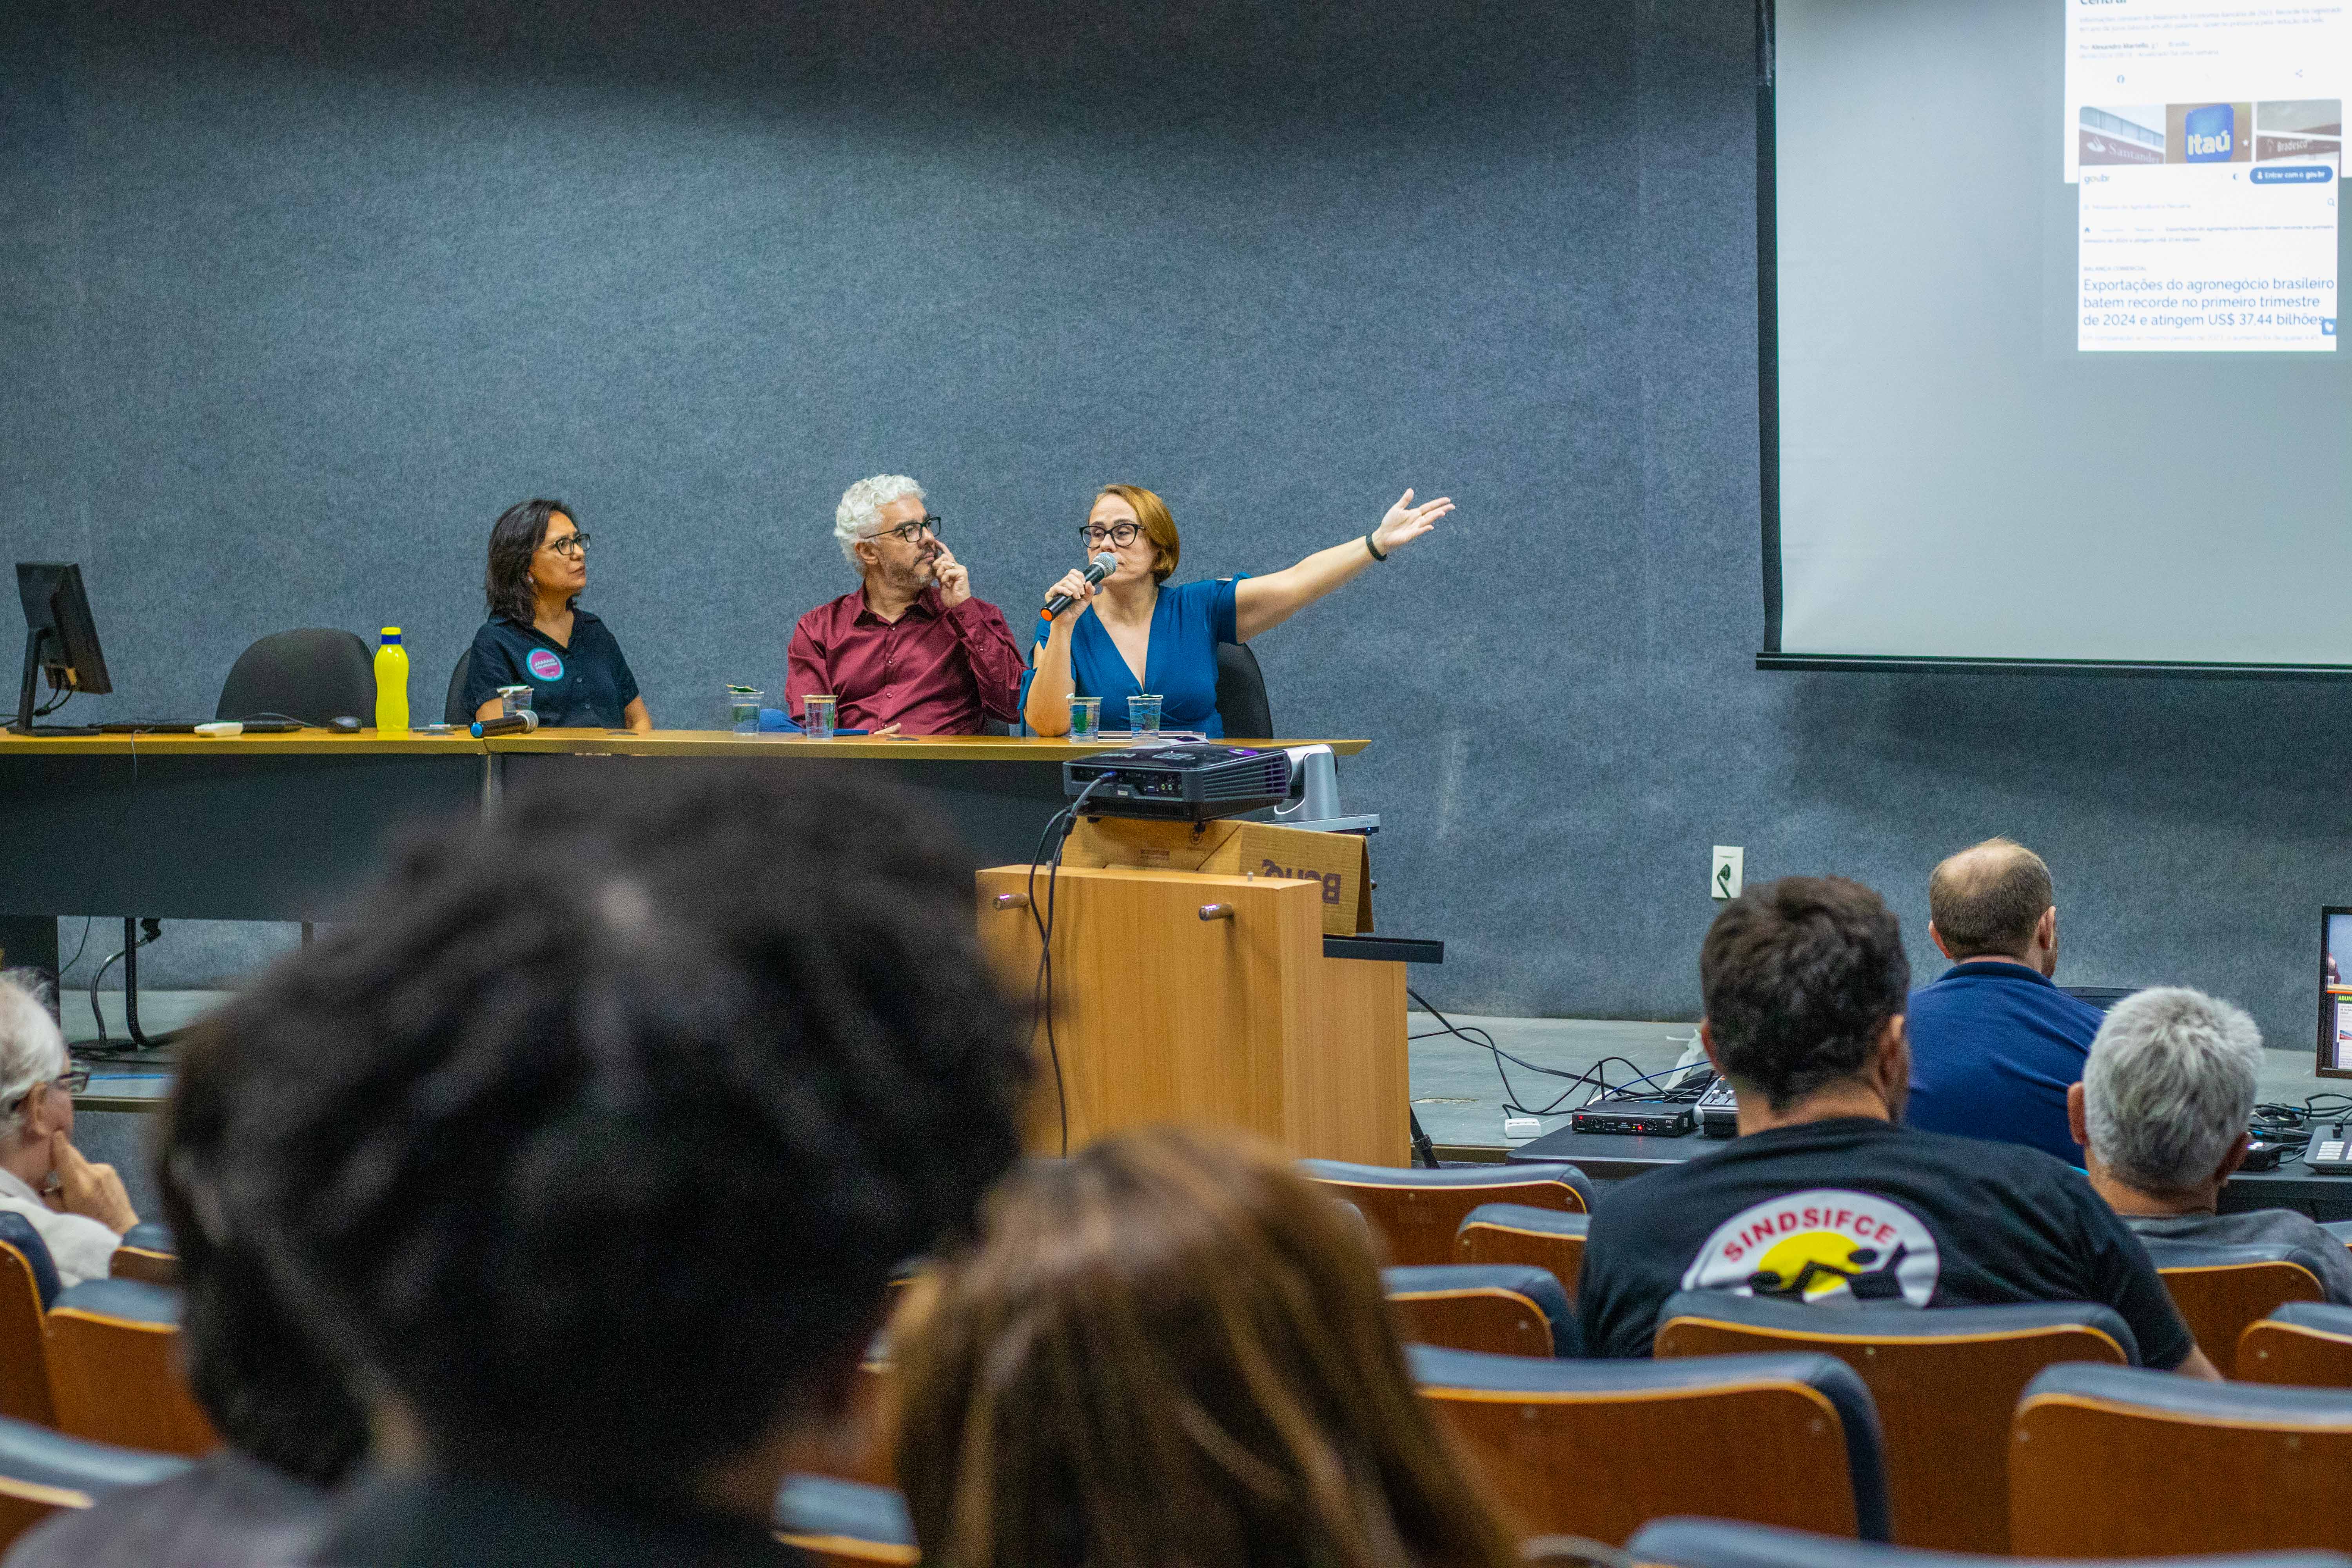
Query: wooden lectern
[1161, 1015]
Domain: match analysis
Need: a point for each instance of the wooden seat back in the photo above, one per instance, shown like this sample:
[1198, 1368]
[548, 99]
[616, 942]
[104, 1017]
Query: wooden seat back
[114, 1369]
[844, 1524]
[1415, 1213]
[1944, 1383]
[1597, 1448]
[2220, 1289]
[1514, 1233]
[2113, 1461]
[2307, 1344]
[24, 1342]
[43, 1471]
[1499, 1309]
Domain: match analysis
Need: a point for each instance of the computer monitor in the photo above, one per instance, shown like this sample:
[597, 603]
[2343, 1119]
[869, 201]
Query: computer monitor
[60, 638]
[2336, 992]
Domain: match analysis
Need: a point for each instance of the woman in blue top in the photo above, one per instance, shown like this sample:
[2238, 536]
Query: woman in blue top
[1131, 635]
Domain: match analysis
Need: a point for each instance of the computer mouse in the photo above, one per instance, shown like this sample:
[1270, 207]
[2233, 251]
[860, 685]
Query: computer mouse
[346, 725]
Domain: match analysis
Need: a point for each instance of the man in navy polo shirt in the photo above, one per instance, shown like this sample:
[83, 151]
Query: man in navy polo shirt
[1994, 1044]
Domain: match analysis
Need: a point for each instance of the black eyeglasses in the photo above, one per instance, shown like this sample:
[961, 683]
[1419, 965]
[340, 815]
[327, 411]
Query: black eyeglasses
[73, 1081]
[910, 531]
[1091, 534]
[572, 544]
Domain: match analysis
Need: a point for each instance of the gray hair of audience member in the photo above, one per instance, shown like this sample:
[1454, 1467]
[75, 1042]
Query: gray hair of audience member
[861, 509]
[2170, 1087]
[1989, 898]
[32, 1051]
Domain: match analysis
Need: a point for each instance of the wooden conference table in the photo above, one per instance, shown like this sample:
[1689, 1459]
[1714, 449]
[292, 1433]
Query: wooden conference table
[285, 827]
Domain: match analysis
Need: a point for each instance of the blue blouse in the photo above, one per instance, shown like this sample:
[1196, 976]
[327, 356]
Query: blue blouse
[1179, 663]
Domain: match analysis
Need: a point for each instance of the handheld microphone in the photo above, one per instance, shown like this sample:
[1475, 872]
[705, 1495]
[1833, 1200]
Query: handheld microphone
[1102, 566]
[525, 722]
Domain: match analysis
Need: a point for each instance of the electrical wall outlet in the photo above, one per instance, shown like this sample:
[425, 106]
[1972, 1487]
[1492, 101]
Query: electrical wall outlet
[1723, 882]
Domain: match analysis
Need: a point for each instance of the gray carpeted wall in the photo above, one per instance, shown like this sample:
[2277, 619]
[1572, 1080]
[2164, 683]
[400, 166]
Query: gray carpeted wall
[300, 295]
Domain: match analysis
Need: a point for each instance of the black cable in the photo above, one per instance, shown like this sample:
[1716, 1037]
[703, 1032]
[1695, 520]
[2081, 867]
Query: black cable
[1594, 1077]
[1057, 832]
[63, 699]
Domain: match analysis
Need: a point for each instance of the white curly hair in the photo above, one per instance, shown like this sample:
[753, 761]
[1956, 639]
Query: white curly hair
[861, 508]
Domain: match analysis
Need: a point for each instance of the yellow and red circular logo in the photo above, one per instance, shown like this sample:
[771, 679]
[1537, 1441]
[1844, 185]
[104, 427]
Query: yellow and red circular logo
[1825, 1246]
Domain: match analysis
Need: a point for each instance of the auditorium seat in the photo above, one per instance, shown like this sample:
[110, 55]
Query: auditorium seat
[1507, 1308]
[148, 1253]
[2221, 1289]
[1417, 1212]
[2341, 1229]
[1598, 1448]
[1515, 1233]
[114, 1371]
[42, 1472]
[2120, 1461]
[29, 1284]
[845, 1523]
[311, 675]
[1946, 1384]
[1722, 1543]
[2308, 1343]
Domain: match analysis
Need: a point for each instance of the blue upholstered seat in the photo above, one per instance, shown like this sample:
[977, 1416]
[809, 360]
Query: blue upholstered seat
[1533, 1289]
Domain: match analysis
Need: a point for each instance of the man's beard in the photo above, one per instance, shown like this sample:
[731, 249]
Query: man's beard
[914, 579]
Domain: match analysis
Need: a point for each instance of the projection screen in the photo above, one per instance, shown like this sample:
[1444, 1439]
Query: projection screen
[2051, 374]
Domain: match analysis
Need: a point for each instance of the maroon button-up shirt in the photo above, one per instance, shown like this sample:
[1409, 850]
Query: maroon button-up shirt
[933, 671]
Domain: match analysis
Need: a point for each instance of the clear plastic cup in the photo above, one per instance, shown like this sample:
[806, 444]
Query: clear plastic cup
[816, 717]
[514, 700]
[743, 709]
[1143, 714]
[1085, 718]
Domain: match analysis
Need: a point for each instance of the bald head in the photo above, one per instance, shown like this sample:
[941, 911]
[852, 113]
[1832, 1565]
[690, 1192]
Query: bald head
[1987, 900]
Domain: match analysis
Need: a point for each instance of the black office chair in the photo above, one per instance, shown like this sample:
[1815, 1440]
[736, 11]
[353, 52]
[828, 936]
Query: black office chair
[2102, 997]
[1725, 1543]
[311, 675]
[454, 712]
[1241, 693]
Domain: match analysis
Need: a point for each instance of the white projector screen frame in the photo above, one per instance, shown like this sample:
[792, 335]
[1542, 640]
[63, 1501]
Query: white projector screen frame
[2005, 587]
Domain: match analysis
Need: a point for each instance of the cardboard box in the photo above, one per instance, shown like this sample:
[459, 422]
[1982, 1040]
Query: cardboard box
[1337, 860]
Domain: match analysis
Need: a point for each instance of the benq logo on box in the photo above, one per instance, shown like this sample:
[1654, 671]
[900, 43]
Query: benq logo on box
[2211, 133]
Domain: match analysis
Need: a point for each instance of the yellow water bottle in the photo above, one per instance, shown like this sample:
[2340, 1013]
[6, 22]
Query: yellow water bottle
[391, 685]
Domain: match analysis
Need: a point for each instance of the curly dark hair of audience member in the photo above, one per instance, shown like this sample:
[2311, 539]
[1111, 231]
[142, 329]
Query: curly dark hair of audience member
[594, 1133]
[1798, 978]
[267, 1386]
[515, 538]
[1166, 1352]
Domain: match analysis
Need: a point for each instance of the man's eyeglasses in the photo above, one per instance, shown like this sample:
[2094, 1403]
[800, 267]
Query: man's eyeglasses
[572, 544]
[908, 533]
[72, 1081]
[1121, 534]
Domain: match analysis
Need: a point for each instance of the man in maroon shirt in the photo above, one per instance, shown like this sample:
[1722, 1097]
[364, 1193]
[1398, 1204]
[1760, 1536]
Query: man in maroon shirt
[910, 650]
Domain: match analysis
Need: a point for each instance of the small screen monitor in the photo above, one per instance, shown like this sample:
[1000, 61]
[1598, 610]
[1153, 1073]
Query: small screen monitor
[60, 636]
[2336, 993]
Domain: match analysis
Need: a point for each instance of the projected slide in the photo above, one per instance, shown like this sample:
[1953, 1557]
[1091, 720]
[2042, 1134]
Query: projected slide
[2207, 138]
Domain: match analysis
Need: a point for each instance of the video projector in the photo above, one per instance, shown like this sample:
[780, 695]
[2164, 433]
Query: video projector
[1182, 783]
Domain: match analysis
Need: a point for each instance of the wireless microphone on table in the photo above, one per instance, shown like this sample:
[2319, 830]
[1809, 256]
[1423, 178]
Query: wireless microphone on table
[523, 722]
[1102, 566]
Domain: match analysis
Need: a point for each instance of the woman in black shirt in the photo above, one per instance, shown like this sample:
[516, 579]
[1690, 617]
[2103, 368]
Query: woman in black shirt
[536, 635]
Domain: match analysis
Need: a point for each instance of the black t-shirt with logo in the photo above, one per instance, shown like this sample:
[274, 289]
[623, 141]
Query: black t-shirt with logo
[587, 686]
[1856, 1210]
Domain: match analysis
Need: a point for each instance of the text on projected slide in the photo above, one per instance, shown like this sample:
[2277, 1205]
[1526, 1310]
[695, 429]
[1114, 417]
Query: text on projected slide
[2206, 140]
